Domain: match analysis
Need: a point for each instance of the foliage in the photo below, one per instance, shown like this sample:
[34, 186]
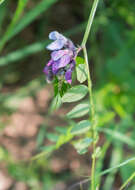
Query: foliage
[111, 53]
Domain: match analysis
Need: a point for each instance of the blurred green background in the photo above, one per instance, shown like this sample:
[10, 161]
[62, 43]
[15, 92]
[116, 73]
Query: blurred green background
[26, 123]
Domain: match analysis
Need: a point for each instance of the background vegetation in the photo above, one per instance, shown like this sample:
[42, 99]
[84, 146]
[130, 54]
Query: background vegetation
[27, 124]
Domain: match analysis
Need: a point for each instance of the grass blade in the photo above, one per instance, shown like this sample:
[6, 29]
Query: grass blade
[3, 11]
[27, 19]
[127, 181]
[115, 159]
[117, 166]
[121, 137]
[19, 10]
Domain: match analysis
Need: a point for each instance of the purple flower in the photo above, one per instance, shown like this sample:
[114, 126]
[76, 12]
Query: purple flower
[62, 62]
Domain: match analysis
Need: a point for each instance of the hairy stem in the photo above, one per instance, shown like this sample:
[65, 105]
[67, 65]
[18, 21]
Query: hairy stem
[92, 108]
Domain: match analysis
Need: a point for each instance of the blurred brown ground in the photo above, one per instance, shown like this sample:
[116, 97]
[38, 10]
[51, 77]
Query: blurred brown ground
[19, 138]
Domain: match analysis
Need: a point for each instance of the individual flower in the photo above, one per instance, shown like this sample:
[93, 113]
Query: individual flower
[62, 62]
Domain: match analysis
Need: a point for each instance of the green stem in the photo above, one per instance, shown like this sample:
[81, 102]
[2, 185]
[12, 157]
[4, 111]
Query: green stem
[127, 182]
[92, 118]
[90, 21]
[92, 111]
[92, 108]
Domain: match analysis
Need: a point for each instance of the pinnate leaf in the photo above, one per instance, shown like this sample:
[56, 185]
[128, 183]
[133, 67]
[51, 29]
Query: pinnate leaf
[81, 69]
[75, 93]
[82, 145]
[82, 127]
[79, 110]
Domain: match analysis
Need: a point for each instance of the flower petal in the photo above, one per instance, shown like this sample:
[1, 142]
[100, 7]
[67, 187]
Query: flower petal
[72, 65]
[70, 45]
[56, 36]
[68, 76]
[46, 68]
[56, 45]
[64, 60]
[55, 67]
[55, 55]
[48, 71]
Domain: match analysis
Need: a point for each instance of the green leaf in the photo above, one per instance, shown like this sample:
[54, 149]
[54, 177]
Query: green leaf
[1, 1]
[105, 118]
[60, 87]
[79, 110]
[62, 130]
[82, 127]
[41, 135]
[56, 86]
[75, 93]
[56, 103]
[63, 88]
[48, 148]
[81, 69]
[79, 60]
[82, 145]
[64, 138]
[52, 137]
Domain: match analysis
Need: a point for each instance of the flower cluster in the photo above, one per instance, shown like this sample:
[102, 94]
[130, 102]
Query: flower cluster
[62, 61]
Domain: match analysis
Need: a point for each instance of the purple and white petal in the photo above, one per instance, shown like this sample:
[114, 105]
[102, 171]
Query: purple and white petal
[57, 36]
[54, 35]
[56, 45]
[50, 62]
[55, 55]
[48, 65]
[55, 67]
[70, 45]
[45, 70]
[48, 71]
[64, 60]
[68, 76]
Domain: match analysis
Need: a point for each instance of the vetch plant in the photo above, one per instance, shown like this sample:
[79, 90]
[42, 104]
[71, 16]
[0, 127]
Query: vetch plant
[59, 70]
[112, 111]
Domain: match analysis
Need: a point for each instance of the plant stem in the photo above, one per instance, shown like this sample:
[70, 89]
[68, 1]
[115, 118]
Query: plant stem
[92, 108]
[128, 181]
[92, 118]
[90, 21]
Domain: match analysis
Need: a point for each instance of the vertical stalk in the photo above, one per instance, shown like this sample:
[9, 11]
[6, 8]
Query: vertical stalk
[92, 118]
[92, 108]
[90, 21]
